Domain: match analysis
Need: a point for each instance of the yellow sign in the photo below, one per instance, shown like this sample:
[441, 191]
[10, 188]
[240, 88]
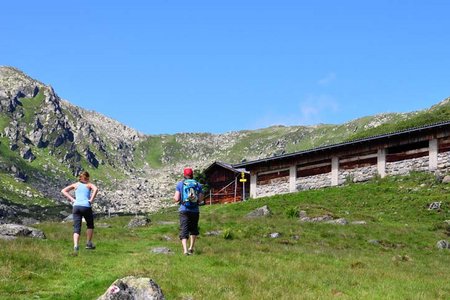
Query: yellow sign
[243, 180]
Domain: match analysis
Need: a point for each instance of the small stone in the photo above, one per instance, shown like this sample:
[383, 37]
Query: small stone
[162, 250]
[443, 244]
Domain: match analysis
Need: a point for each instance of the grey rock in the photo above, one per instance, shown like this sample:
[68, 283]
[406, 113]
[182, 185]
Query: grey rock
[275, 235]
[213, 233]
[324, 218]
[133, 288]
[358, 223]
[443, 244]
[64, 213]
[166, 223]
[374, 242]
[27, 154]
[7, 237]
[263, 211]
[435, 205]
[166, 238]
[340, 221]
[20, 230]
[138, 221]
[69, 218]
[162, 250]
[446, 179]
[29, 221]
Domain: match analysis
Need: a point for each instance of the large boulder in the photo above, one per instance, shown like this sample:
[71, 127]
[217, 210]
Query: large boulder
[15, 230]
[263, 211]
[133, 288]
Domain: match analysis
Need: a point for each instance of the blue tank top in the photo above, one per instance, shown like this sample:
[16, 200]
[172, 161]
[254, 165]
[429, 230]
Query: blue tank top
[82, 195]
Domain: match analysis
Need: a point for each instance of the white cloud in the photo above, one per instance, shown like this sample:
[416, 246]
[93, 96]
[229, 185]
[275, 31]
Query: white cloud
[330, 77]
[314, 109]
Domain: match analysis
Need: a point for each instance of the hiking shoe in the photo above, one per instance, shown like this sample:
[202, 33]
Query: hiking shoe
[187, 253]
[191, 251]
[75, 251]
[90, 246]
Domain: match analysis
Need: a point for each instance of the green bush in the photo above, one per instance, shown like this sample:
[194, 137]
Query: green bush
[292, 212]
[227, 234]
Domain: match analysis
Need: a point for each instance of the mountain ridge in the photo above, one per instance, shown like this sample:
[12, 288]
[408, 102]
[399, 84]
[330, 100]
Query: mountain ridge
[48, 140]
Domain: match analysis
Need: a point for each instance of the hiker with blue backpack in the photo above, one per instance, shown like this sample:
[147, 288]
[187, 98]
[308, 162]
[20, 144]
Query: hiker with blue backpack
[189, 196]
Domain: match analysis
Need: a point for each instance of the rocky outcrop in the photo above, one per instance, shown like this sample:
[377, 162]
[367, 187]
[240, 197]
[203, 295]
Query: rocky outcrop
[14, 230]
[133, 288]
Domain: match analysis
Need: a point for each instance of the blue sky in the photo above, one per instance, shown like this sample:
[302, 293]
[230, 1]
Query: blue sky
[219, 66]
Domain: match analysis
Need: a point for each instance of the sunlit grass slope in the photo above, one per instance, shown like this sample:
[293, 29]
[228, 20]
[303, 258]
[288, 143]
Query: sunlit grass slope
[393, 256]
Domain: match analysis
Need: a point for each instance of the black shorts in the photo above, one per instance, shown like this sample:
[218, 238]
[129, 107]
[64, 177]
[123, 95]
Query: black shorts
[188, 224]
[82, 212]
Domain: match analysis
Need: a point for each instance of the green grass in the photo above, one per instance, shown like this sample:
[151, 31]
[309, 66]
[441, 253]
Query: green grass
[433, 115]
[4, 121]
[153, 150]
[30, 105]
[308, 261]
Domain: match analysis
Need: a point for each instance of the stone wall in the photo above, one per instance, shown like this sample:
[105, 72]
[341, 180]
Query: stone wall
[281, 185]
[313, 182]
[444, 162]
[274, 187]
[358, 174]
[403, 167]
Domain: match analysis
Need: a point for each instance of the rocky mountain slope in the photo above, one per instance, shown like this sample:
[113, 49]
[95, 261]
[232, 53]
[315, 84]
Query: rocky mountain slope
[45, 141]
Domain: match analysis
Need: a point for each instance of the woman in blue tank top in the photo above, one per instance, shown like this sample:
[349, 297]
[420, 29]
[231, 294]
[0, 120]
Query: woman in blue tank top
[85, 193]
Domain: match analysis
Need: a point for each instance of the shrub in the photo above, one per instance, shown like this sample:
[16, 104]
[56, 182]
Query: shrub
[227, 234]
[292, 212]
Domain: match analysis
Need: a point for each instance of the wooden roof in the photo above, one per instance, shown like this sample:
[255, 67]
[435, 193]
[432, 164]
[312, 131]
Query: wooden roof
[340, 146]
[225, 166]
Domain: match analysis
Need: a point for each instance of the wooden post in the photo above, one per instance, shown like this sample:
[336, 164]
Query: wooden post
[433, 154]
[381, 162]
[293, 179]
[334, 171]
[253, 179]
[235, 188]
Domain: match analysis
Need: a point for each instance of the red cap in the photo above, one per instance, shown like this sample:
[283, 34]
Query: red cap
[187, 172]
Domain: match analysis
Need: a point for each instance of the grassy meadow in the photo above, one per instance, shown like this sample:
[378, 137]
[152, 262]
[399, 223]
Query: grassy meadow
[393, 256]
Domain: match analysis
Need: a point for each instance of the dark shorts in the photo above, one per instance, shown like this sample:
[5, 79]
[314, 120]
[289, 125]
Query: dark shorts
[188, 224]
[82, 212]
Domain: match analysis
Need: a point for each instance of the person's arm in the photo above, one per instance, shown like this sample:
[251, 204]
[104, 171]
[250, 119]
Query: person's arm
[176, 197]
[200, 199]
[94, 191]
[200, 195]
[66, 192]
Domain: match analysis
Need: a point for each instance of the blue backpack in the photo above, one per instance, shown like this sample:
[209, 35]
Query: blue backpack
[190, 191]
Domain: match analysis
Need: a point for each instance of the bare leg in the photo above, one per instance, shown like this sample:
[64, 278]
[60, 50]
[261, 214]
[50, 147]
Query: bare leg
[76, 239]
[89, 234]
[184, 244]
[192, 242]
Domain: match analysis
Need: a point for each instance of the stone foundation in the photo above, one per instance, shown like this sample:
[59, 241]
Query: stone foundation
[404, 167]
